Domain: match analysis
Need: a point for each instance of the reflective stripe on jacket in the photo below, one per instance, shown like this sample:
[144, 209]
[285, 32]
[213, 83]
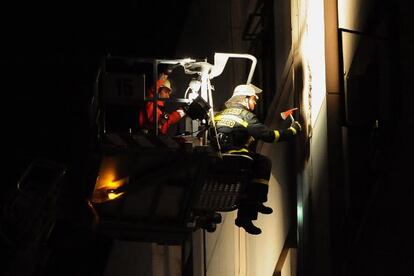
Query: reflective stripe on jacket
[242, 125]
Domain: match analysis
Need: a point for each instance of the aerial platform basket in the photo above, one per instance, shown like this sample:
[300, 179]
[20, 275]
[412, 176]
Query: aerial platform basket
[159, 194]
[226, 179]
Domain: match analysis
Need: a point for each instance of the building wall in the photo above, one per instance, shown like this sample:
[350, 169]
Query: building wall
[299, 165]
[373, 34]
[218, 27]
[299, 187]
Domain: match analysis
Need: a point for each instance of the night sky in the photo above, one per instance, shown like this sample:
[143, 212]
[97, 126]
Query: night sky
[51, 54]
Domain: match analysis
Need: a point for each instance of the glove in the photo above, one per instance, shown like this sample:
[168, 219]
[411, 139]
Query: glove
[182, 112]
[288, 134]
[296, 126]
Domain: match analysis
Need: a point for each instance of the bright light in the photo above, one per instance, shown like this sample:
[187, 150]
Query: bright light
[107, 182]
[299, 213]
[192, 96]
[112, 195]
[195, 85]
[313, 51]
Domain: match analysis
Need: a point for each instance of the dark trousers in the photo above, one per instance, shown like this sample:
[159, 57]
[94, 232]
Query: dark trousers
[256, 191]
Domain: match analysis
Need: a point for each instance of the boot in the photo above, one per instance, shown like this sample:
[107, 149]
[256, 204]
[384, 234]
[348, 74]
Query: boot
[211, 227]
[215, 217]
[264, 209]
[248, 226]
[261, 193]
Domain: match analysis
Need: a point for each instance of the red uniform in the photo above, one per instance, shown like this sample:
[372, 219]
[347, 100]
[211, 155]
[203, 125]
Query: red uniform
[146, 121]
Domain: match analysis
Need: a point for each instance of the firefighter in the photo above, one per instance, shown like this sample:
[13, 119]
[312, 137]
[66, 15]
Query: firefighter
[237, 127]
[165, 120]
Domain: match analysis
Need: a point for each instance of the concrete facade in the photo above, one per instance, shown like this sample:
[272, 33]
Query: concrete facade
[298, 167]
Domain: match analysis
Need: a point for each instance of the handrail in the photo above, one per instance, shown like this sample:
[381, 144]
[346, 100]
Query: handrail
[205, 70]
[220, 60]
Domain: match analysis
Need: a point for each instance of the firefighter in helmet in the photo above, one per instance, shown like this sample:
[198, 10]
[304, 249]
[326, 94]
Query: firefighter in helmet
[165, 120]
[237, 127]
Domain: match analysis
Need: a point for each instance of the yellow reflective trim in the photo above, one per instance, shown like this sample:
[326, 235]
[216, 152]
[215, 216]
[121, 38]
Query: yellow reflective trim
[261, 180]
[232, 118]
[277, 135]
[239, 150]
[293, 130]
[217, 118]
[234, 111]
[225, 122]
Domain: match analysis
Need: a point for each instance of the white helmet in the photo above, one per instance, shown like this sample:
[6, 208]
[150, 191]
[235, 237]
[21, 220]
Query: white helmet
[166, 84]
[246, 90]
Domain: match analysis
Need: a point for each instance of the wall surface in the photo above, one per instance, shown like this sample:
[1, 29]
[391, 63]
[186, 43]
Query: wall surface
[376, 43]
[296, 166]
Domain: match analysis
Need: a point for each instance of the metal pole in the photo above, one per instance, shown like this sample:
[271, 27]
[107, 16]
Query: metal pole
[155, 98]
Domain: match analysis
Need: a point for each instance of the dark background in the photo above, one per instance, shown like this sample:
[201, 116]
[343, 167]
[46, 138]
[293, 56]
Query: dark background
[50, 55]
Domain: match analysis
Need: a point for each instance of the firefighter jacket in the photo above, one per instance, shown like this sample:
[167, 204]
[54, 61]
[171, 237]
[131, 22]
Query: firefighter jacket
[237, 127]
